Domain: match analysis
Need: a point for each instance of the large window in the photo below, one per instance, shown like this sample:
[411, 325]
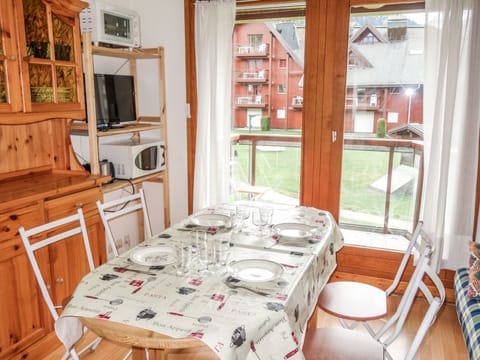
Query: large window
[267, 110]
[383, 129]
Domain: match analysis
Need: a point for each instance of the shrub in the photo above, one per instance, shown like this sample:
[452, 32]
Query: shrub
[265, 123]
[381, 128]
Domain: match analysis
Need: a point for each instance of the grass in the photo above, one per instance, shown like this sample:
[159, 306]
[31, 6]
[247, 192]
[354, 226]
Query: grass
[280, 170]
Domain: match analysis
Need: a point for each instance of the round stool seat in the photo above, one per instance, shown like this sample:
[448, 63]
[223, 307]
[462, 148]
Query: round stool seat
[340, 344]
[353, 301]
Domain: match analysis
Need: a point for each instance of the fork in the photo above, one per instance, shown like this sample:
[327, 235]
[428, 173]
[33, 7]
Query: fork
[235, 286]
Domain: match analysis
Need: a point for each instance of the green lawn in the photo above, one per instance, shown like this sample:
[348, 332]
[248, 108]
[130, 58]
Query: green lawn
[280, 170]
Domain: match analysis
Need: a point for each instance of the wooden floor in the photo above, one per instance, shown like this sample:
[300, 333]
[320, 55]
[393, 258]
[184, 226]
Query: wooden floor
[444, 340]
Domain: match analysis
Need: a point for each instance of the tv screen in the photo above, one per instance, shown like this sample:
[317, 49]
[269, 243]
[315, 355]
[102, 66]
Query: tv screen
[114, 99]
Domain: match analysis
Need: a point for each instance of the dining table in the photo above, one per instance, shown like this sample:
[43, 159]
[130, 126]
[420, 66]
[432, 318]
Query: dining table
[252, 302]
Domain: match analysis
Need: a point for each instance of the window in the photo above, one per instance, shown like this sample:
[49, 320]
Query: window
[392, 117]
[366, 200]
[281, 89]
[255, 40]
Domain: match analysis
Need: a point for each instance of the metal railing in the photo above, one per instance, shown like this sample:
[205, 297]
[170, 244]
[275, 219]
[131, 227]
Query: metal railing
[395, 155]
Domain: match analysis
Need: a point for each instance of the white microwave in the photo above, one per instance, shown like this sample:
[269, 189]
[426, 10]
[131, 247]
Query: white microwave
[134, 159]
[110, 24]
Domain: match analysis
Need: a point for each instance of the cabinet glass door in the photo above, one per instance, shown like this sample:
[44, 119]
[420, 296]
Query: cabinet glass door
[64, 60]
[3, 80]
[9, 72]
[38, 49]
[52, 67]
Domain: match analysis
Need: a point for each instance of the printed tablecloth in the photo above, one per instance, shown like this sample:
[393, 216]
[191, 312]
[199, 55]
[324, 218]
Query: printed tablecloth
[235, 323]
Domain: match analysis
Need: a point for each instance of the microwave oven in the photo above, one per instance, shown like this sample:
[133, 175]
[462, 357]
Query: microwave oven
[110, 24]
[134, 159]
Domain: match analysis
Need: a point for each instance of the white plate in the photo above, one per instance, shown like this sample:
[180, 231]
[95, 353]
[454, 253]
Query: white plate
[254, 270]
[211, 220]
[154, 256]
[293, 230]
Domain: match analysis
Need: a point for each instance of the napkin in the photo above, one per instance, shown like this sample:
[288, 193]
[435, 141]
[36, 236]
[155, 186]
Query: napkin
[69, 330]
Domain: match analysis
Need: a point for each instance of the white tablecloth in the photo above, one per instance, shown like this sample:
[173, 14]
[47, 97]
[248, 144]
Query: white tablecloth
[234, 323]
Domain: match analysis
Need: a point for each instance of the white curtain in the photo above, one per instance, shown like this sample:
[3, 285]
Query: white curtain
[214, 23]
[451, 120]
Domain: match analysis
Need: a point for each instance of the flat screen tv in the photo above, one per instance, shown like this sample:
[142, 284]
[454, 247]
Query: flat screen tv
[114, 99]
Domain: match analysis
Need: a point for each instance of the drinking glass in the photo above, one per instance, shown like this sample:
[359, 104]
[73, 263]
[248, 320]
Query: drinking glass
[183, 251]
[221, 250]
[203, 251]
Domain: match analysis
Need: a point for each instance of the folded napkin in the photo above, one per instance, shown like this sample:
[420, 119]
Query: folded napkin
[69, 330]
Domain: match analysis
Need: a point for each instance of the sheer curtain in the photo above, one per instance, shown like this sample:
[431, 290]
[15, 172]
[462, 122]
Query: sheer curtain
[214, 23]
[451, 120]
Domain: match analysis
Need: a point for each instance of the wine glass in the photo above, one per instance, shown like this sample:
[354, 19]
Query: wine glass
[262, 217]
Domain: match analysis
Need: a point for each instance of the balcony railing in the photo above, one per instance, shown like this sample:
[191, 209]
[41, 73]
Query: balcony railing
[297, 102]
[252, 101]
[261, 50]
[363, 102]
[381, 178]
[252, 77]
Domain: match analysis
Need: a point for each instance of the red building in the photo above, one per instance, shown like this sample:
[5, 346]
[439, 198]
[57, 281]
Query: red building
[384, 77]
[267, 79]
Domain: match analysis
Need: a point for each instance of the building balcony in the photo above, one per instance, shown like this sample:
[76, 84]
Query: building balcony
[297, 102]
[246, 77]
[247, 51]
[367, 102]
[251, 101]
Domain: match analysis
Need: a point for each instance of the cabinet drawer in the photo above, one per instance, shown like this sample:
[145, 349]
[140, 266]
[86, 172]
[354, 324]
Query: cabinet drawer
[27, 216]
[68, 205]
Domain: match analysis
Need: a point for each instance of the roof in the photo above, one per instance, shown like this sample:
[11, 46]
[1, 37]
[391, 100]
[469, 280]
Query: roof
[396, 63]
[291, 35]
[408, 129]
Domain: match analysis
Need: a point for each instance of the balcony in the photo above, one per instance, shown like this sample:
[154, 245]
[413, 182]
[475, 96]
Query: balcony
[363, 102]
[381, 187]
[252, 52]
[258, 77]
[297, 102]
[251, 101]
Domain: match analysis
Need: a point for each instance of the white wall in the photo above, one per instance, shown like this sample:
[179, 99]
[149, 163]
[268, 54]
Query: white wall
[162, 24]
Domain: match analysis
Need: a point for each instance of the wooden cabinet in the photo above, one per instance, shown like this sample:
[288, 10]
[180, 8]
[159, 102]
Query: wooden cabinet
[26, 329]
[40, 61]
[41, 91]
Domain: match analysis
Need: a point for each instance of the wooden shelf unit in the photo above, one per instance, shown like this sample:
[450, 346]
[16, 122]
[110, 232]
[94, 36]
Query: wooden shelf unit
[143, 123]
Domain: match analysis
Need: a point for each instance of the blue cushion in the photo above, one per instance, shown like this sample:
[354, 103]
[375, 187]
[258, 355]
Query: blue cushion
[468, 311]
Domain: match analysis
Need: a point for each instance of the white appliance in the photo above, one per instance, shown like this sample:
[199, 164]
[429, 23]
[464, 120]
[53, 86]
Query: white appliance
[134, 159]
[110, 24]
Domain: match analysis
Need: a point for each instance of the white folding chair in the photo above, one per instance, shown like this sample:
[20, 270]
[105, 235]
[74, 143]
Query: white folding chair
[340, 343]
[31, 248]
[369, 302]
[119, 207]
